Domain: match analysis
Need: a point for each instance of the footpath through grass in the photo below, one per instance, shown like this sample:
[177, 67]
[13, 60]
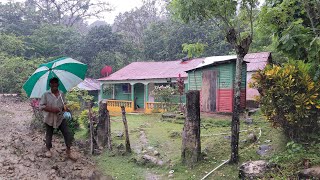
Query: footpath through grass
[165, 137]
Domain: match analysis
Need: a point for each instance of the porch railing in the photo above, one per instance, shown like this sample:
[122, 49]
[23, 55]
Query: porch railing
[115, 105]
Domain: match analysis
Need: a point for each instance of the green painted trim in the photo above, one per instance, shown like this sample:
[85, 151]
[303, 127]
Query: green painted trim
[101, 92]
[147, 92]
[132, 92]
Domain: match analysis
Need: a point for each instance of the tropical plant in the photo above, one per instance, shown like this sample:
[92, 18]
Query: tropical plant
[290, 99]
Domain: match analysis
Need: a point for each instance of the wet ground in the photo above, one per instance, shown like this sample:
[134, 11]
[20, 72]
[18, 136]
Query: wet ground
[22, 149]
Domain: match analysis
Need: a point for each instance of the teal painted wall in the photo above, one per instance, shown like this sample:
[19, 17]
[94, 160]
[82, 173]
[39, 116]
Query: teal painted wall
[105, 95]
[244, 77]
[195, 80]
[226, 76]
[120, 95]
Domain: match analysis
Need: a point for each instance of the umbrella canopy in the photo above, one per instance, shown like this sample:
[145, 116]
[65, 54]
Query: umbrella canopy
[70, 73]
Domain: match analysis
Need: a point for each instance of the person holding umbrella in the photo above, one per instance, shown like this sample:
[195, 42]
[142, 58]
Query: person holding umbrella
[49, 82]
[52, 104]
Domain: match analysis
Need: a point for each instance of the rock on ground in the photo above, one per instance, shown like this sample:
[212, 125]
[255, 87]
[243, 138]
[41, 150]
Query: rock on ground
[312, 173]
[264, 149]
[253, 169]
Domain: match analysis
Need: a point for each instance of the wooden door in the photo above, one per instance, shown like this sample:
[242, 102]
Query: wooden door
[208, 90]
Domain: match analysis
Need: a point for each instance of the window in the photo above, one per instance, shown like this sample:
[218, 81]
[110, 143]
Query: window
[126, 88]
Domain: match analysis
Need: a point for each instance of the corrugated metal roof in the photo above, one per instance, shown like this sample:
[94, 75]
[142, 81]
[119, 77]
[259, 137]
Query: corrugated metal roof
[257, 60]
[153, 70]
[216, 59]
[89, 84]
[171, 69]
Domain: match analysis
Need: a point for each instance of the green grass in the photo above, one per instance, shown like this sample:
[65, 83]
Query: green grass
[158, 133]
[81, 134]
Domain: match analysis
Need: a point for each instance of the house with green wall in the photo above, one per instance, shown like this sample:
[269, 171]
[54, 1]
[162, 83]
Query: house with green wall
[215, 77]
[132, 85]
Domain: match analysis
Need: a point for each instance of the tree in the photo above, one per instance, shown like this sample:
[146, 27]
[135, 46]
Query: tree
[100, 39]
[50, 40]
[14, 72]
[236, 19]
[12, 45]
[295, 26]
[163, 40]
[131, 25]
[18, 19]
[69, 12]
[104, 58]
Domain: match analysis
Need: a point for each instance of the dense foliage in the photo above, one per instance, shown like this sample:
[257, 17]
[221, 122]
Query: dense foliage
[291, 28]
[290, 99]
[32, 32]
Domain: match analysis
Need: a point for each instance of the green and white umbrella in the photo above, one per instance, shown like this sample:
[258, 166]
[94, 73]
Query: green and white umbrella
[70, 73]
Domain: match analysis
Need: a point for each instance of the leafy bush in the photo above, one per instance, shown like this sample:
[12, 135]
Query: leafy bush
[164, 93]
[77, 99]
[290, 99]
[84, 118]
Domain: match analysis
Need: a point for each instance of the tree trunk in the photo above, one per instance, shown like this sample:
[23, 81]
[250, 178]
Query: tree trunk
[91, 131]
[191, 145]
[102, 128]
[108, 127]
[241, 47]
[124, 119]
[235, 125]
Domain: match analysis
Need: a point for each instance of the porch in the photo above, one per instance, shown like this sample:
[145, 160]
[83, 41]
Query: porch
[150, 107]
[134, 96]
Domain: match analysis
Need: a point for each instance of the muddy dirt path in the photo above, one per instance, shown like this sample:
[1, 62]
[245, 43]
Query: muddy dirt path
[22, 150]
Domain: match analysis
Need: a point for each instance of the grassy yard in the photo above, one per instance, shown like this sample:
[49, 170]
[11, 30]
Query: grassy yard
[163, 135]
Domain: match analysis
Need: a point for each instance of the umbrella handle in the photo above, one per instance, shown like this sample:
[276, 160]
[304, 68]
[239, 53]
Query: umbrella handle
[64, 106]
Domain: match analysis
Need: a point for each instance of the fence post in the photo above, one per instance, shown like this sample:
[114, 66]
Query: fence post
[124, 119]
[102, 128]
[91, 129]
[191, 145]
[108, 127]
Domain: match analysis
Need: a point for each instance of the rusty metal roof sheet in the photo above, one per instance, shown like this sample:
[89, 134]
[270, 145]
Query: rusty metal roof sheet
[257, 61]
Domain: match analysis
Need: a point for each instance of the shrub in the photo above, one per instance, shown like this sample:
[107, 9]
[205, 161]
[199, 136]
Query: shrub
[77, 99]
[84, 118]
[290, 98]
[164, 93]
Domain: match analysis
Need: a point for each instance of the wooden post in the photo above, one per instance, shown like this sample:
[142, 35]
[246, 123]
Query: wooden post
[102, 128]
[191, 145]
[91, 130]
[108, 127]
[124, 119]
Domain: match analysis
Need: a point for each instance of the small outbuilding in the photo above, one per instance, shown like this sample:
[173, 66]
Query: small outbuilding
[215, 77]
[256, 62]
[92, 86]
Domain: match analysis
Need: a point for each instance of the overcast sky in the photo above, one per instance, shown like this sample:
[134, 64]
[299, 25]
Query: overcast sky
[120, 6]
